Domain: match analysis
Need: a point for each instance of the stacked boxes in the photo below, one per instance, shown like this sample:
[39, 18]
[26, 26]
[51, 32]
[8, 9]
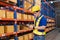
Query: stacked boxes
[19, 16]
[25, 28]
[24, 16]
[27, 5]
[18, 27]
[20, 38]
[30, 36]
[29, 17]
[2, 13]
[32, 17]
[10, 14]
[1, 29]
[9, 28]
[26, 37]
[37, 2]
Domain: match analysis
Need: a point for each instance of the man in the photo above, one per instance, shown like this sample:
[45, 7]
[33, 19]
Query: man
[39, 24]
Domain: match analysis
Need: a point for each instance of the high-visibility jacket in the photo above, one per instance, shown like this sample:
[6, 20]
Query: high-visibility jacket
[35, 31]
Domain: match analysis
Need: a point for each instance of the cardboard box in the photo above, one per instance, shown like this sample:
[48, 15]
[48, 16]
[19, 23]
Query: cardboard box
[37, 2]
[18, 27]
[32, 17]
[24, 16]
[20, 38]
[27, 5]
[15, 1]
[19, 16]
[1, 29]
[25, 28]
[26, 37]
[10, 14]
[9, 28]
[30, 36]
[29, 17]
[2, 13]
[46, 30]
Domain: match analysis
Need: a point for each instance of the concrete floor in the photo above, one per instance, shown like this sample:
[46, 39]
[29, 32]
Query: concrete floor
[53, 35]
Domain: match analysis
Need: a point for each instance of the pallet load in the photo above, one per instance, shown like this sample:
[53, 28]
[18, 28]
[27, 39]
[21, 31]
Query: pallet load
[9, 28]
[29, 17]
[33, 18]
[1, 29]
[20, 38]
[25, 37]
[10, 14]
[18, 27]
[24, 16]
[30, 35]
[27, 5]
[25, 28]
[38, 2]
[2, 13]
[19, 16]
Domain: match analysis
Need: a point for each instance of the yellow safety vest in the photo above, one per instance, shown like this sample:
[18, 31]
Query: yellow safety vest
[35, 31]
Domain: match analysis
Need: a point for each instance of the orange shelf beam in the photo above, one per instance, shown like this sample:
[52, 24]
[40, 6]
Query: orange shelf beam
[14, 33]
[10, 19]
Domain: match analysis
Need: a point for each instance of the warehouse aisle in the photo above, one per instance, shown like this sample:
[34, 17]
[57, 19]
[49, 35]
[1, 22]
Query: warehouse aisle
[54, 35]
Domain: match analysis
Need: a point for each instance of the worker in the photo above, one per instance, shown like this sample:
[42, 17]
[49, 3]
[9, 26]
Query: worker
[39, 24]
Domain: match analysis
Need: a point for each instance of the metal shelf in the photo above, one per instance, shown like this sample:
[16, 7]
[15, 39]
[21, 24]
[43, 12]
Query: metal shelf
[9, 19]
[14, 33]
[15, 7]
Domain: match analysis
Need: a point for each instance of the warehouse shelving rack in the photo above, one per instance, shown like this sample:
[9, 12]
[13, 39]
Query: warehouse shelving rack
[15, 20]
[48, 11]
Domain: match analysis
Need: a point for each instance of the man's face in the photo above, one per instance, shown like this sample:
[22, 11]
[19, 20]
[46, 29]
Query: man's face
[37, 13]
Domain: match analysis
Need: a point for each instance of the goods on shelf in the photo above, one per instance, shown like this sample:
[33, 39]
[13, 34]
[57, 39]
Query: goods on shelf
[25, 28]
[37, 2]
[2, 13]
[20, 38]
[19, 16]
[24, 16]
[9, 28]
[32, 17]
[18, 27]
[10, 14]
[49, 24]
[30, 35]
[46, 30]
[1, 29]
[29, 17]
[53, 21]
[50, 28]
[26, 37]
[27, 5]
[14, 1]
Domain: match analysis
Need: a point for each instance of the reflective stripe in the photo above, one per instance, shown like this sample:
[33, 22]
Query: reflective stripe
[35, 31]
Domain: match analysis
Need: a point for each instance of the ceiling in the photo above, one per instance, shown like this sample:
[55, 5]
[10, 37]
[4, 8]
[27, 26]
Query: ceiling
[56, 4]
